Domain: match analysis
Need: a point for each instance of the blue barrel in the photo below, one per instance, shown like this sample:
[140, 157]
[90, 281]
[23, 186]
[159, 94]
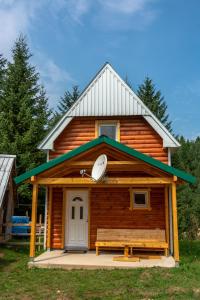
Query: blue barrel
[20, 230]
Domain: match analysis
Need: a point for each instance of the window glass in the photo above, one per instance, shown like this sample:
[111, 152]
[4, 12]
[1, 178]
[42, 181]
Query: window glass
[73, 212]
[109, 130]
[81, 212]
[140, 199]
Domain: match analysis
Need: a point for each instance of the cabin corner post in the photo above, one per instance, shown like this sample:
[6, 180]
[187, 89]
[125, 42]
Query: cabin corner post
[49, 218]
[89, 217]
[33, 220]
[175, 223]
[167, 218]
[63, 216]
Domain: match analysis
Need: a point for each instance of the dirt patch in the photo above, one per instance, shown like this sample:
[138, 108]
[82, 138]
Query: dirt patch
[176, 290]
[196, 293]
[145, 275]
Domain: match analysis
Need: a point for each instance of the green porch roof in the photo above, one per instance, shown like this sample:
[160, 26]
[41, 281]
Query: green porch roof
[103, 139]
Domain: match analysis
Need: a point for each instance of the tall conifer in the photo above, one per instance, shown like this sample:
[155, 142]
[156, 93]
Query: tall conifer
[154, 101]
[2, 73]
[68, 100]
[24, 110]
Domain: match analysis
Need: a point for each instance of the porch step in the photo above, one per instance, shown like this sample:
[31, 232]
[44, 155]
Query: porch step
[71, 249]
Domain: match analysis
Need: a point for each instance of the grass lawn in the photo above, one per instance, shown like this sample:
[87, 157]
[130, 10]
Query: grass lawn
[19, 282]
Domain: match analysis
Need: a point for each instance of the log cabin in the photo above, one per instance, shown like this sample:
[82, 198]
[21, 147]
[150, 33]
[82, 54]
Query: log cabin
[134, 206]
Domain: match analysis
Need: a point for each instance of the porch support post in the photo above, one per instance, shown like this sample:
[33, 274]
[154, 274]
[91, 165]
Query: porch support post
[63, 217]
[89, 203]
[167, 218]
[50, 195]
[33, 220]
[175, 223]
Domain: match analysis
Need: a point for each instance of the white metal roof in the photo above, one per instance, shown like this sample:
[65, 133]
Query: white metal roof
[108, 95]
[6, 165]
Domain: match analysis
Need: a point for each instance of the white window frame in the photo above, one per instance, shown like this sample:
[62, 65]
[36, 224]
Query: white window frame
[115, 123]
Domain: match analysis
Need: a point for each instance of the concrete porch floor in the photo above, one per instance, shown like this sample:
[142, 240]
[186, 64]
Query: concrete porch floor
[89, 260]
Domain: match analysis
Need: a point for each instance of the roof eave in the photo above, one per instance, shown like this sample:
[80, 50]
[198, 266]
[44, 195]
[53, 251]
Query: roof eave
[149, 160]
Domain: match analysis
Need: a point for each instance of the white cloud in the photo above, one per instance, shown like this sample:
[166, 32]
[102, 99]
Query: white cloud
[108, 14]
[125, 6]
[78, 8]
[74, 9]
[55, 79]
[15, 18]
[53, 72]
[126, 14]
[18, 16]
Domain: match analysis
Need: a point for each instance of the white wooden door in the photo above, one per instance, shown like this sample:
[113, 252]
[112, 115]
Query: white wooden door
[77, 219]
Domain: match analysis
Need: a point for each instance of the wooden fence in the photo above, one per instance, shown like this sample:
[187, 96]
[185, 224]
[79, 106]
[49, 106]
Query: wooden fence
[13, 238]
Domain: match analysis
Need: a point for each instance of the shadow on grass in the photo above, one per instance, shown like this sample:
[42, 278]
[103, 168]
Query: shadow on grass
[10, 255]
[5, 262]
[190, 250]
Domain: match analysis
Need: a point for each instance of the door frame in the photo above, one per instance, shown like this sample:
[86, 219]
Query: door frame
[66, 214]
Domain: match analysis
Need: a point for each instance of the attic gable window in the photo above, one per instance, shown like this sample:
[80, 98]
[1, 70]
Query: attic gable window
[108, 128]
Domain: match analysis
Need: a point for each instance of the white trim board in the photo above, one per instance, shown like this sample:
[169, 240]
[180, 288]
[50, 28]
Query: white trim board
[108, 95]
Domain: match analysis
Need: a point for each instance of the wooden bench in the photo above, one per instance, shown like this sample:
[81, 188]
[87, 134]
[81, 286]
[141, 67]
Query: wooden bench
[131, 238]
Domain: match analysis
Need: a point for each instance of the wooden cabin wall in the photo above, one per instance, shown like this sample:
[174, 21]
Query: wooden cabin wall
[109, 208]
[135, 132]
[56, 225]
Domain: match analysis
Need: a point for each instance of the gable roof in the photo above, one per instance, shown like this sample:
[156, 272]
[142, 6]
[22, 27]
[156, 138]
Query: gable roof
[108, 95]
[6, 165]
[121, 147]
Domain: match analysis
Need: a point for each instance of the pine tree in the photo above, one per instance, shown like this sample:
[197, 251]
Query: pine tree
[68, 100]
[154, 101]
[24, 111]
[187, 158]
[2, 73]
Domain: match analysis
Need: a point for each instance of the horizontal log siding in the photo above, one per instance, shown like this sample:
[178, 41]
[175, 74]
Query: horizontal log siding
[78, 132]
[135, 132]
[56, 226]
[138, 134]
[110, 209]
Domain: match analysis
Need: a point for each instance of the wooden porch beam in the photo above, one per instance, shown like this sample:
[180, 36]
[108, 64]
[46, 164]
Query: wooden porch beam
[175, 223]
[33, 220]
[107, 181]
[110, 163]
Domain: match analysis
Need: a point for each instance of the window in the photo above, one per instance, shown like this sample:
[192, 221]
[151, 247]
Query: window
[73, 212]
[139, 199]
[108, 128]
[81, 212]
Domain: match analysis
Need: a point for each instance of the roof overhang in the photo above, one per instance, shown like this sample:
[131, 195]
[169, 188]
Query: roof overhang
[114, 144]
[7, 163]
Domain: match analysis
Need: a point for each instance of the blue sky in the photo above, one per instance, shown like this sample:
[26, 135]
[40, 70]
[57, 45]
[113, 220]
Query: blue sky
[72, 39]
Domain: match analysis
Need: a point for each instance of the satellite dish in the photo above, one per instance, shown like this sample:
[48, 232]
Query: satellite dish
[99, 168]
